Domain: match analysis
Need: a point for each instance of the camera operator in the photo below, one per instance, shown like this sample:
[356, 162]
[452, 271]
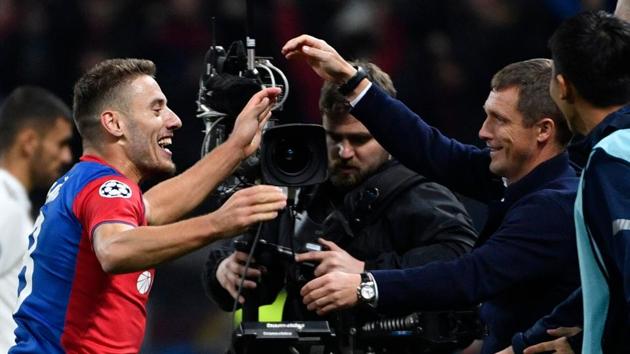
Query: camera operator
[373, 212]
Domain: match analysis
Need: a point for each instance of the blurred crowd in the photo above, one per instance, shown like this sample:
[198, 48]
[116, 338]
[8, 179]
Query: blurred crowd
[440, 54]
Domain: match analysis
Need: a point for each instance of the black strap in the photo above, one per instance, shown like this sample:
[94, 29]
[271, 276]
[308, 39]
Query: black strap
[354, 81]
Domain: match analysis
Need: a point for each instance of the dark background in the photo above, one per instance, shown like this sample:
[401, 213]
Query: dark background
[440, 54]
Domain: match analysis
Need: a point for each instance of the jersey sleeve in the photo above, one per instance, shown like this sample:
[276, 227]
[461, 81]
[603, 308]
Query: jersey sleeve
[109, 199]
[606, 204]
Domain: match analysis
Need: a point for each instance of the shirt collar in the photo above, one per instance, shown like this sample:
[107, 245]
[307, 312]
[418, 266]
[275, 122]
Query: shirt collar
[94, 158]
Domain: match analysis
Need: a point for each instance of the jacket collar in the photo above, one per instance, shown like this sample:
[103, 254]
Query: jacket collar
[556, 167]
[581, 146]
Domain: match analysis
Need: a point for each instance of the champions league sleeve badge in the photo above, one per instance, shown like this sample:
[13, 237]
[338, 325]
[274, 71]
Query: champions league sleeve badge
[114, 189]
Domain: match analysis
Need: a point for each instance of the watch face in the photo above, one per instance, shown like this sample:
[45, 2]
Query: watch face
[367, 292]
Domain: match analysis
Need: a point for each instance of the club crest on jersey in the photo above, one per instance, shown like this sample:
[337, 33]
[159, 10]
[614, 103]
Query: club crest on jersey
[143, 284]
[114, 189]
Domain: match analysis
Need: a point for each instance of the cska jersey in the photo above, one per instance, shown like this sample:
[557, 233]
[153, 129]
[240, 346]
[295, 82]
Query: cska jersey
[67, 303]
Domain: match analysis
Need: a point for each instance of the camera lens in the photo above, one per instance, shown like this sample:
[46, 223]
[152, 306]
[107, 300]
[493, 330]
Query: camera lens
[294, 155]
[291, 156]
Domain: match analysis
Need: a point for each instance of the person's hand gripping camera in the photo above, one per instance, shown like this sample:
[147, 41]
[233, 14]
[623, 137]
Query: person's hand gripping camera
[230, 272]
[331, 258]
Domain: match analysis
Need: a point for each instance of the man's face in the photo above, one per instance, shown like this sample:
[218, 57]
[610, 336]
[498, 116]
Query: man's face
[148, 127]
[52, 154]
[353, 154]
[512, 145]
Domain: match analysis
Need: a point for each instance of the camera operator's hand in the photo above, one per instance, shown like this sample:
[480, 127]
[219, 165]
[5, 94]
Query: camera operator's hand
[246, 207]
[333, 259]
[322, 58]
[230, 270]
[249, 123]
[333, 291]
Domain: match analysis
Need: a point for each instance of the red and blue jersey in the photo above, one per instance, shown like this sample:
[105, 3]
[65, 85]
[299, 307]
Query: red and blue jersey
[67, 303]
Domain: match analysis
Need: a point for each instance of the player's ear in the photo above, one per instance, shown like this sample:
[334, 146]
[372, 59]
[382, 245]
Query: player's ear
[27, 141]
[112, 122]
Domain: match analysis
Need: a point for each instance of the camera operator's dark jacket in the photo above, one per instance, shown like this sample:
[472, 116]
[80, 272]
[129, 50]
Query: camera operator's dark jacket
[416, 222]
[526, 259]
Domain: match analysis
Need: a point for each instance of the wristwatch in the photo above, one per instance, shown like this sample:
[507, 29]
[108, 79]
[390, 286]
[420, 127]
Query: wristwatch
[367, 291]
[349, 86]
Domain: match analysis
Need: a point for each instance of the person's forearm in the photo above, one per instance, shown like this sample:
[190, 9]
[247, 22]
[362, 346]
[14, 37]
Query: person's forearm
[175, 197]
[145, 247]
[622, 10]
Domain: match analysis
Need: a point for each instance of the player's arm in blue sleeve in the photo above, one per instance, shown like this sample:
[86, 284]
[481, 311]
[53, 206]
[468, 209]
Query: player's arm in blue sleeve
[566, 314]
[606, 203]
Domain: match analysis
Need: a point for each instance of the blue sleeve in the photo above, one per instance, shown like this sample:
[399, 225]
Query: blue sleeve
[567, 314]
[520, 251]
[463, 168]
[606, 203]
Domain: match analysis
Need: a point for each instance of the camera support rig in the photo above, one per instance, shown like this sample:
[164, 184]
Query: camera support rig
[228, 81]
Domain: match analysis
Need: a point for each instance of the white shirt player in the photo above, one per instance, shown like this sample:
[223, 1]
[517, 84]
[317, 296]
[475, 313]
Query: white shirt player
[15, 225]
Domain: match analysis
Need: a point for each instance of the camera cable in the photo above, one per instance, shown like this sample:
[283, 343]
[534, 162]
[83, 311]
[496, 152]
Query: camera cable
[247, 264]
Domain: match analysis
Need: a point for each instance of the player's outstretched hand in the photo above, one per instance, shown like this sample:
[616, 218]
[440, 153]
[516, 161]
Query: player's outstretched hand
[248, 126]
[247, 207]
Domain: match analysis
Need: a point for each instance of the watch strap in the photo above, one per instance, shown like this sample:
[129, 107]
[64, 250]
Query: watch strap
[367, 280]
[349, 86]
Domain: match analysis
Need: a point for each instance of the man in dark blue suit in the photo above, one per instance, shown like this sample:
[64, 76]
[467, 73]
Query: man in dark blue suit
[526, 259]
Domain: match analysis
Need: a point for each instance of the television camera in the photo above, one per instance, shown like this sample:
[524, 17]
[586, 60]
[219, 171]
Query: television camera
[290, 155]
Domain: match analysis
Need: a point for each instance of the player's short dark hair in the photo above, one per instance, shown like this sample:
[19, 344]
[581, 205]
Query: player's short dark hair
[101, 86]
[592, 51]
[29, 106]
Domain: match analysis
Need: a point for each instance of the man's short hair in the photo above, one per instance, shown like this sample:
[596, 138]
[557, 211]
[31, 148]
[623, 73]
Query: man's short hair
[32, 107]
[592, 51]
[531, 78]
[101, 86]
[334, 104]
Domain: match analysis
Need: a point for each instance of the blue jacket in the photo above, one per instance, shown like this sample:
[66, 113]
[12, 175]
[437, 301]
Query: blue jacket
[602, 217]
[526, 261]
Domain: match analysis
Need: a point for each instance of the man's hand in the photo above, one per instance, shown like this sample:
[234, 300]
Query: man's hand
[249, 123]
[246, 207]
[333, 291]
[322, 58]
[507, 350]
[558, 346]
[230, 271]
[623, 10]
[334, 259]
